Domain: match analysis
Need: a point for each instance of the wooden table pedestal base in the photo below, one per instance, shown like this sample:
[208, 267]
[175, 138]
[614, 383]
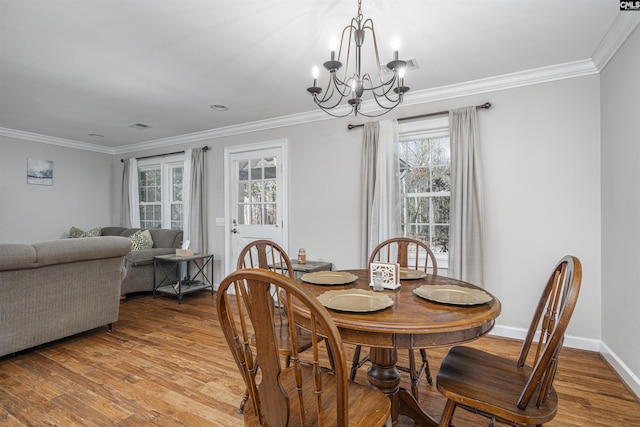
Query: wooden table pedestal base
[384, 376]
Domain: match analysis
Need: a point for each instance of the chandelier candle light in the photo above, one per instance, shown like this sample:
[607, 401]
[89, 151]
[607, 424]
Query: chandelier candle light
[387, 94]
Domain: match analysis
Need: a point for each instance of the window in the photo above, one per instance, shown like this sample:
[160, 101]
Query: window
[425, 187]
[160, 184]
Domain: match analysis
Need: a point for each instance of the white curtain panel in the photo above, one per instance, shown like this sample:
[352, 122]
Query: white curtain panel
[381, 192]
[195, 203]
[130, 214]
[466, 216]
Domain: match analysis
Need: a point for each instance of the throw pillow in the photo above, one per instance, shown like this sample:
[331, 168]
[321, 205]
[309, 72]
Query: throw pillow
[75, 232]
[141, 240]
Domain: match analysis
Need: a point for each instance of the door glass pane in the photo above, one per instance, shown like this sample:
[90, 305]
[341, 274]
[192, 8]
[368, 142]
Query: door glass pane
[243, 170]
[270, 168]
[256, 214]
[243, 213]
[256, 169]
[256, 192]
[243, 192]
[270, 217]
[270, 191]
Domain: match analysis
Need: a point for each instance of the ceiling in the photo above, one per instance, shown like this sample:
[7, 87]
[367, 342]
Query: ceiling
[71, 68]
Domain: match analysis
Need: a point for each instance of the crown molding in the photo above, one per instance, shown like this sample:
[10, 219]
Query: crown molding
[35, 137]
[257, 126]
[505, 81]
[620, 30]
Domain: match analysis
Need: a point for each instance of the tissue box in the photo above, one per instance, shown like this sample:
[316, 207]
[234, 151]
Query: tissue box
[184, 252]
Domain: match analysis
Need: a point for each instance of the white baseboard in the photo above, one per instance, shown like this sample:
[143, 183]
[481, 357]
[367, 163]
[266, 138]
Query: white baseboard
[626, 375]
[630, 379]
[569, 340]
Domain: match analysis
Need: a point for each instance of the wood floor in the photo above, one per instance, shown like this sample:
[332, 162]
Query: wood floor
[167, 365]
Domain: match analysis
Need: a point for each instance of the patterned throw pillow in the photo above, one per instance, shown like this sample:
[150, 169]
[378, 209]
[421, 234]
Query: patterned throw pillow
[141, 240]
[75, 232]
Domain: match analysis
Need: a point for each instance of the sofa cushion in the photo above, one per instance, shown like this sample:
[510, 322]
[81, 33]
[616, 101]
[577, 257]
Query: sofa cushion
[166, 238]
[113, 231]
[162, 237]
[141, 240]
[75, 232]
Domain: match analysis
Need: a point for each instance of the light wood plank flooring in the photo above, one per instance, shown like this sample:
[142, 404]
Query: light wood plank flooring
[168, 365]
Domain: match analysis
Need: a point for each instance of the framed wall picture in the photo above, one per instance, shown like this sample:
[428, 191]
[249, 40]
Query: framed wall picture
[39, 172]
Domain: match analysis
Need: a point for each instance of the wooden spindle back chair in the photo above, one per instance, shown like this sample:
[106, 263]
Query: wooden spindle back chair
[302, 394]
[268, 255]
[408, 252]
[413, 254]
[519, 392]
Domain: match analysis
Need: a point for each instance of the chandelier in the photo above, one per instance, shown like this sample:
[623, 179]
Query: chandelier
[352, 84]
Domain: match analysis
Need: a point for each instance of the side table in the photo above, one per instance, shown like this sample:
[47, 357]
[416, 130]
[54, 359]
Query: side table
[309, 267]
[169, 266]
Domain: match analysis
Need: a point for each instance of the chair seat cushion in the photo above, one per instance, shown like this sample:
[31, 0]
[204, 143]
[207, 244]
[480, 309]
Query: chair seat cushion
[367, 407]
[491, 383]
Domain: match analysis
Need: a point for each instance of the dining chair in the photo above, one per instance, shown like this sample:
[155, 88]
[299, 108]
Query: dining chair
[518, 392]
[414, 254]
[268, 255]
[303, 393]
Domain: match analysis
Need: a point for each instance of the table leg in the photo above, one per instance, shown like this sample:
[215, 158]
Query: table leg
[384, 376]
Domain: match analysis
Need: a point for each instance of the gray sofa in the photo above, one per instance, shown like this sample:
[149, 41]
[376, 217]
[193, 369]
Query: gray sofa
[139, 264]
[54, 289]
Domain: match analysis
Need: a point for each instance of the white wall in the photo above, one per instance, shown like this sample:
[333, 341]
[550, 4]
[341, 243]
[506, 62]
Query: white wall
[80, 195]
[620, 91]
[541, 159]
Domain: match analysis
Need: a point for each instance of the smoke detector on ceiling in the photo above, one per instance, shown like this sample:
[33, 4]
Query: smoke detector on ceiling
[139, 126]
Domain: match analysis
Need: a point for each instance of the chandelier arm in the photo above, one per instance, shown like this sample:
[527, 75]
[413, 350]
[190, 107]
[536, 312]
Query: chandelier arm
[351, 28]
[329, 95]
[339, 83]
[327, 110]
[394, 104]
[386, 86]
[328, 92]
[375, 46]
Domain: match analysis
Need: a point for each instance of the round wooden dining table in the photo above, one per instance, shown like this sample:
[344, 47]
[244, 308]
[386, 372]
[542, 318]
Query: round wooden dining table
[411, 322]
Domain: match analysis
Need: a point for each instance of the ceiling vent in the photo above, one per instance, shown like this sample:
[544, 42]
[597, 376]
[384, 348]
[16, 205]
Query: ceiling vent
[412, 64]
[139, 126]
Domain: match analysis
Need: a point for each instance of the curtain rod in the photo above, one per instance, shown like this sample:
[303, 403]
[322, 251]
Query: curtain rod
[205, 149]
[484, 106]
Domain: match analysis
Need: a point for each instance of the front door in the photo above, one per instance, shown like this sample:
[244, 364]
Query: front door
[255, 197]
